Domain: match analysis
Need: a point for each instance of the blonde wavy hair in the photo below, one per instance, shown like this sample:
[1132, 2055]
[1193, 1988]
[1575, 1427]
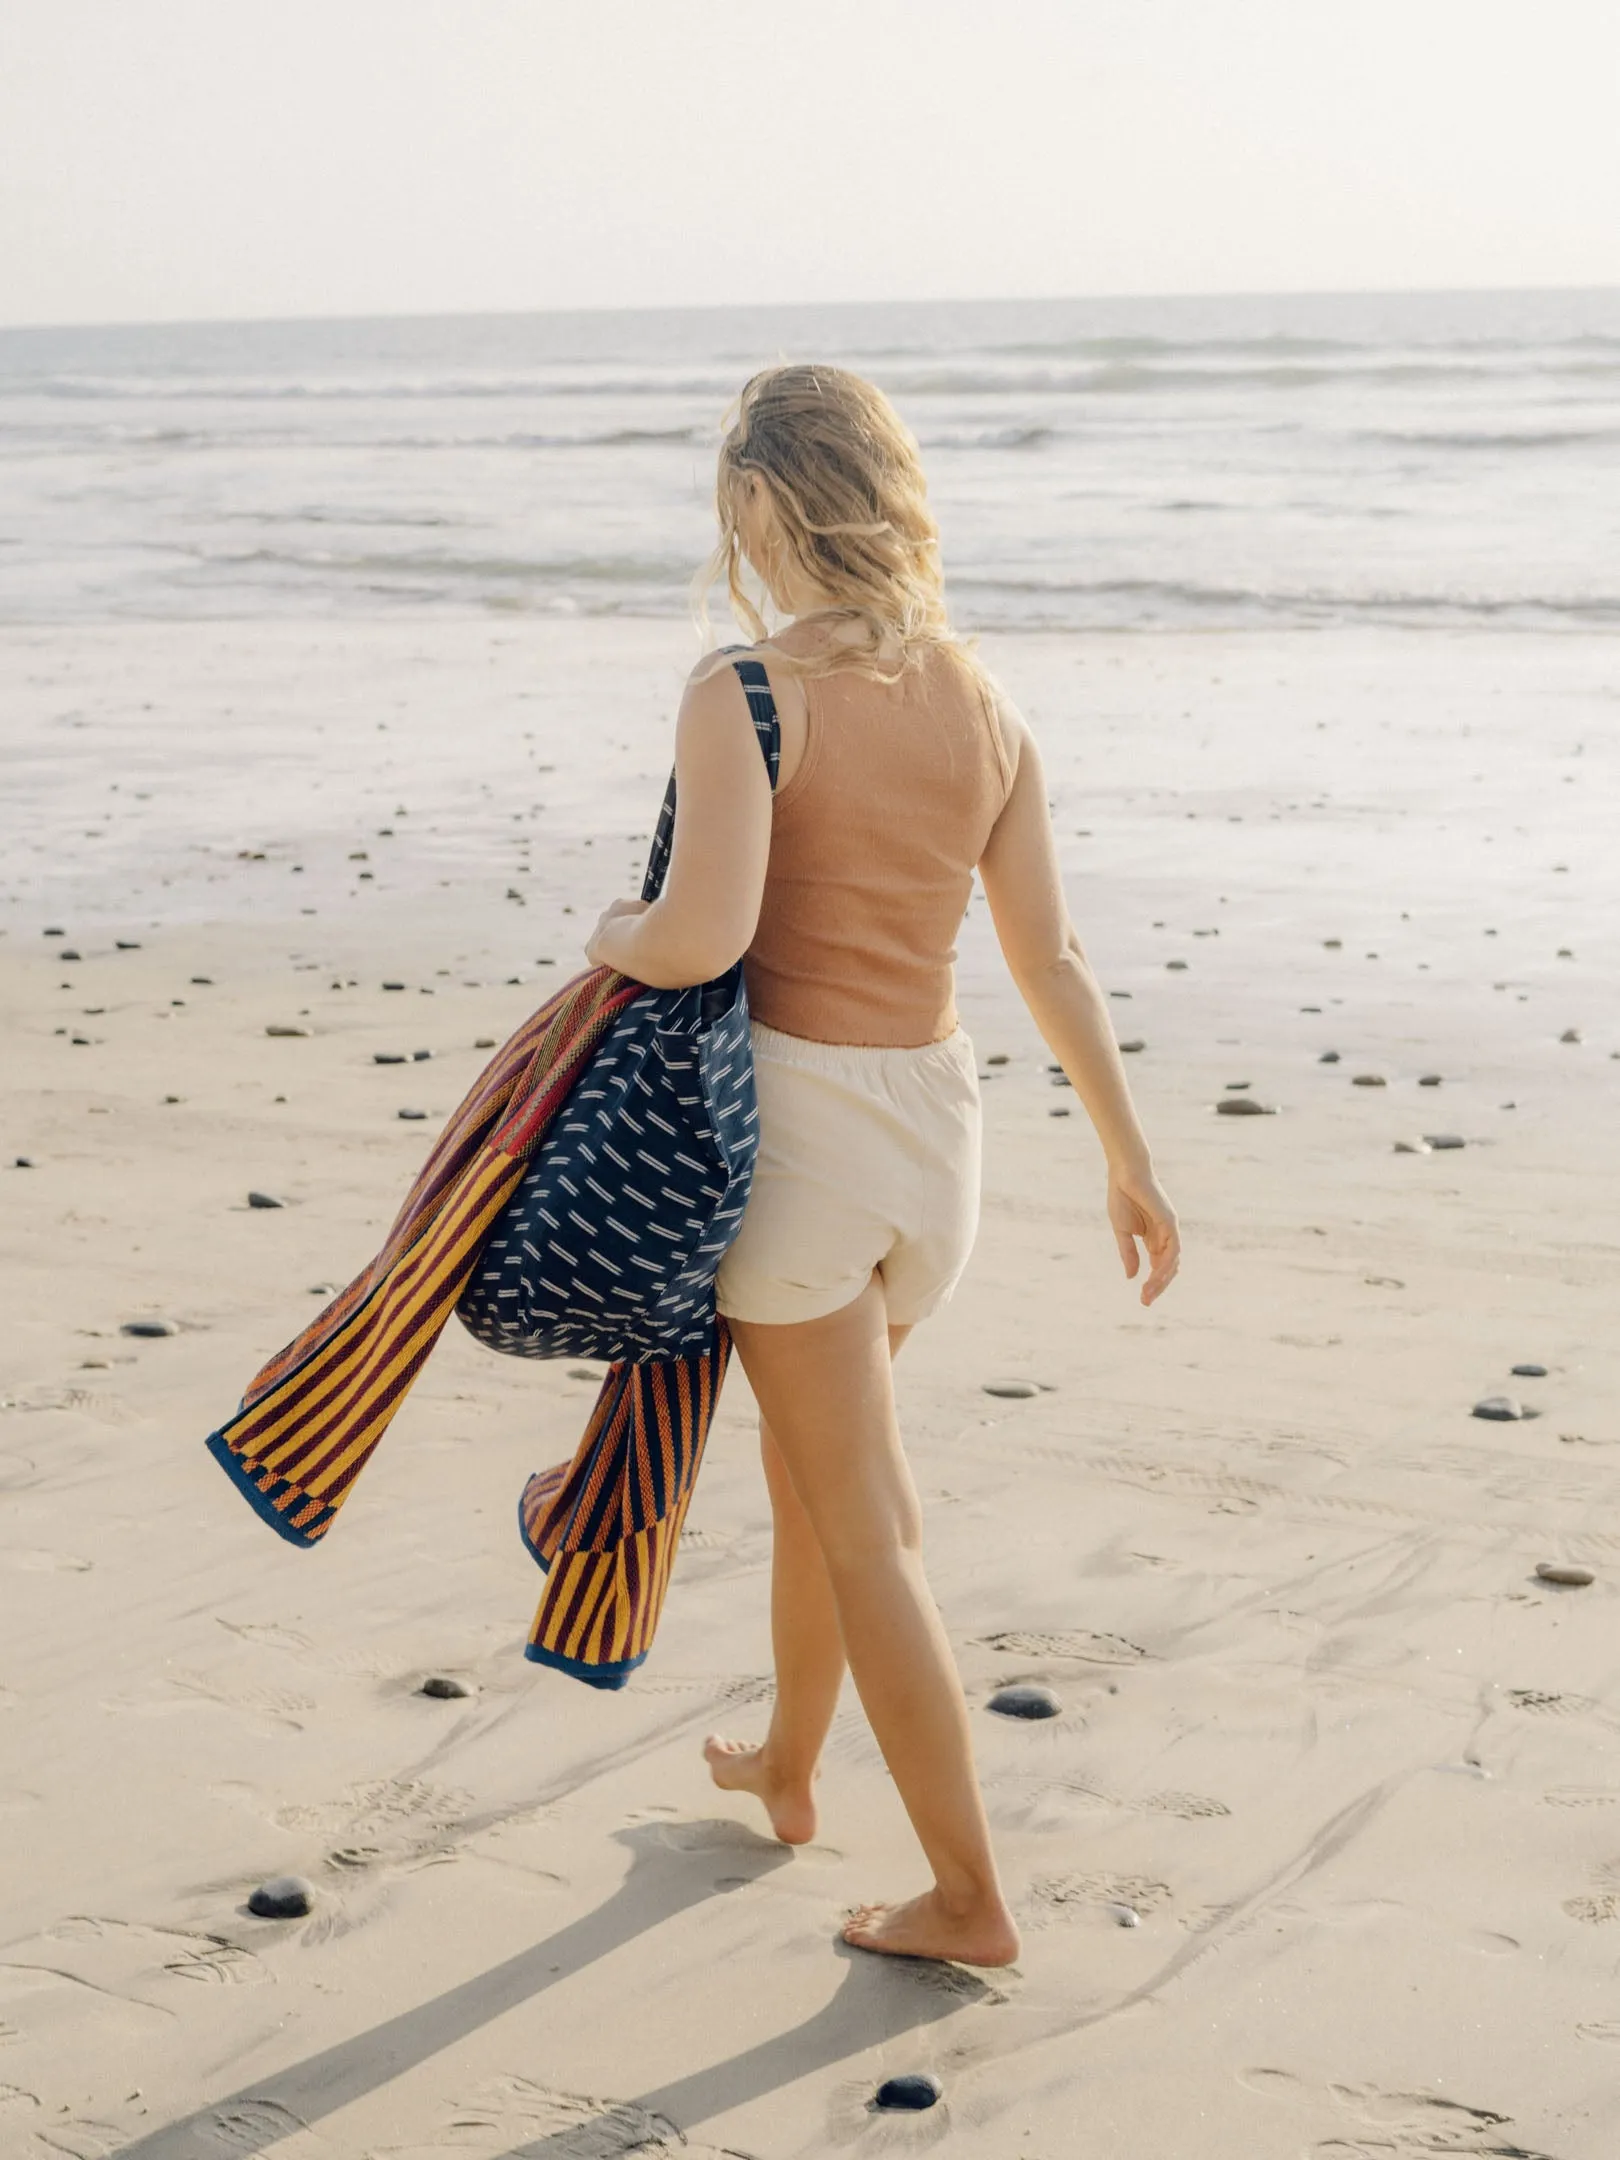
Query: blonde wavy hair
[847, 510]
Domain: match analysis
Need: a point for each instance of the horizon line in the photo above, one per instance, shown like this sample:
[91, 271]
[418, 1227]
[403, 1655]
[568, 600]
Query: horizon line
[780, 307]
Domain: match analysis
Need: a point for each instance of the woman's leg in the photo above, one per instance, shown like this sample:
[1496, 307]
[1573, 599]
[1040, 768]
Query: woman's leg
[826, 1389]
[809, 1651]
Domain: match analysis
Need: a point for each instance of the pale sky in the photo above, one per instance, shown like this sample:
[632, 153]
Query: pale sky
[164, 159]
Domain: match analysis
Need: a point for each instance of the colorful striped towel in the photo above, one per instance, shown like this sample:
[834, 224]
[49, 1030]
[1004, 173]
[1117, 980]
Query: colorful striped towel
[604, 1526]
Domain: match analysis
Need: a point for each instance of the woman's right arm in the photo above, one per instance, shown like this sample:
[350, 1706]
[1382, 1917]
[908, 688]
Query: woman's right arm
[1024, 885]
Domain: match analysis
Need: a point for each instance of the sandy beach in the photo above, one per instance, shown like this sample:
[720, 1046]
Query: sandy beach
[1322, 1855]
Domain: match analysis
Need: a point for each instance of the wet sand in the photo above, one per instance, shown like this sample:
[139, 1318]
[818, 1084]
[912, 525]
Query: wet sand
[1353, 1767]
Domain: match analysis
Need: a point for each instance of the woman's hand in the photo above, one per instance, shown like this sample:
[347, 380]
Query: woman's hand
[601, 946]
[1138, 1207]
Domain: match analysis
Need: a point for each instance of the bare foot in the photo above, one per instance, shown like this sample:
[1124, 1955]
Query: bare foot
[924, 1928]
[736, 1767]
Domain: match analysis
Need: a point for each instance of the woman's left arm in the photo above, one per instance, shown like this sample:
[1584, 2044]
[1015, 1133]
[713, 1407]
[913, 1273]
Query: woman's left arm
[705, 917]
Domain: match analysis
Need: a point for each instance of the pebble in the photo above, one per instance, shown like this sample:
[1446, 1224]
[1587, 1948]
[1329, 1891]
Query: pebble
[55, 933]
[150, 1327]
[23, 1162]
[393, 986]
[264, 1199]
[484, 1042]
[413, 1114]
[323, 1289]
[283, 1897]
[64, 954]
[278, 1027]
[1244, 1106]
[1130, 1048]
[1125, 1916]
[1445, 1140]
[420, 1057]
[1012, 1390]
[1062, 1112]
[1333, 944]
[127, 944]
[1176, 967]
[1502, 1409]
[1573, 1035]
[1061, 1080]
[1328, 1057]
[1428, 1080]
[1529, 1372]
[1369, 1080]
[207, 981]
[1568, 1578]
[998, 1057]
[445, 1687]
[1025, 1699]
[1412, 1147]
[387, 1057]
[913, 2091]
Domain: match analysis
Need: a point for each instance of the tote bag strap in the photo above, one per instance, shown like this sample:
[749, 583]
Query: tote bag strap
[767, 728]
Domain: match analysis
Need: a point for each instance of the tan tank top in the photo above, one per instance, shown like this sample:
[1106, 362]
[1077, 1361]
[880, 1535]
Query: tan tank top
[874, 842]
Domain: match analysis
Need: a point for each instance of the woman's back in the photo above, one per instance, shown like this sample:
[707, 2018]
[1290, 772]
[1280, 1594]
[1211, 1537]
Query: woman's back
[874, 840]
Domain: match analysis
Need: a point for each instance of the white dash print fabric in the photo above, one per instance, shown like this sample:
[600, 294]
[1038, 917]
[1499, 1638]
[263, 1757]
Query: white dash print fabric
[610, 1246]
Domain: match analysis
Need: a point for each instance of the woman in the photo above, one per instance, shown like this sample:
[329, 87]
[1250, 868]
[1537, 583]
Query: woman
[903, 770]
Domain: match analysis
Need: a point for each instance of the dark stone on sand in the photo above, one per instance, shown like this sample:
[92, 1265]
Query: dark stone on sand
[1500, 1409]
[66, 955]
[1130, 1048]
[23, 1162]
[1567, 1578]
[56, 933]
[283, 1027]
[1244, 1106]
[127, 944]
[1061, 1080]
[323, 1289]
[413, 1114]
[1428, 1080]
[1012, 1390]
[393, 986]
[264, 1200]
[387, 1057]
[1176, 967]
[207, 981]
[445, 1687]
[1570, 1035]
[1025, 1699]
[484, 1042]
[1369, 1080]
[998, 1057]
[1058, 1112]
[1328, 1057]
[283, 1897]
[420, 1057]
[150, 1327]
[1445, 1140]
[1529, 1372]
[1333, 944]
[913, 2090]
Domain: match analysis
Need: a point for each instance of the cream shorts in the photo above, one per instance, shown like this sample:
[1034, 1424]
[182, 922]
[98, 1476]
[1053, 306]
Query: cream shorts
[868, 1158]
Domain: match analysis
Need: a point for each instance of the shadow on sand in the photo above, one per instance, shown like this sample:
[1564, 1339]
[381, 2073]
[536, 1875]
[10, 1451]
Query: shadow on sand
[877, 2000]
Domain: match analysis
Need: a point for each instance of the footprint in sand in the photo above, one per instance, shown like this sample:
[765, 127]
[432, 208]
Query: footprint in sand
[1061, 1897]
[513, 2114]
[124, 1955]
[1082, 1643]
[1400, 2125]
[1601, 1904]
[1547, 1702]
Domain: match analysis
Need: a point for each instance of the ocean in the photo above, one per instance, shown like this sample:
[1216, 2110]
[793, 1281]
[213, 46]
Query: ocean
[1099, 465]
